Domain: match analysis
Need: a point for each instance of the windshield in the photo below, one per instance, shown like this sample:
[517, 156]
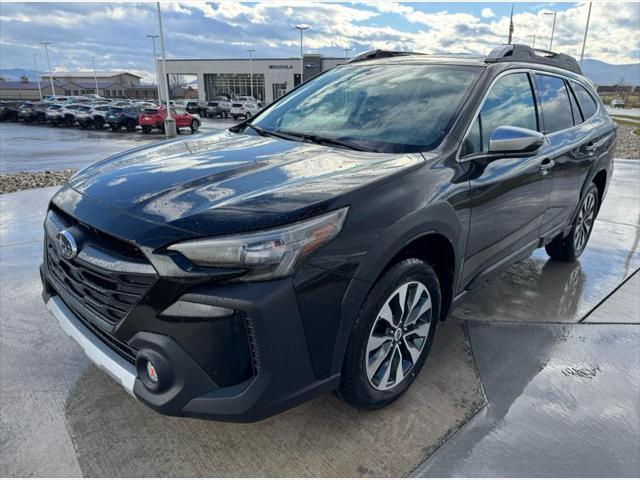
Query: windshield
[386, 108]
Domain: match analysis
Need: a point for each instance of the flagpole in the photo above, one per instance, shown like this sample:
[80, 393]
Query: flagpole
[511, 25]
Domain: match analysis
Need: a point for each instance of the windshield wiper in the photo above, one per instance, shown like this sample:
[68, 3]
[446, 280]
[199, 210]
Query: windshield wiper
[268, 133]
[327, 141]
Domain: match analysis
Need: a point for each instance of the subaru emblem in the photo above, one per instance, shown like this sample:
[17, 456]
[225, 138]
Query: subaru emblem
[67, 245]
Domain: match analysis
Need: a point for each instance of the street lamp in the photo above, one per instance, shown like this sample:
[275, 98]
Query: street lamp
[155, 61]
[346, 53]
[251, 50]
[533, 45]
[95, 75]
[46, 51]
[302, 28]
[553, 28]
[35, 64]
[586, 29]
[169, 123]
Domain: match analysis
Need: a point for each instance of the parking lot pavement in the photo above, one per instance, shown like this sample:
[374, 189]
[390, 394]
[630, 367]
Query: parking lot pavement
[30, 147]
[563, 401]
[60, 416]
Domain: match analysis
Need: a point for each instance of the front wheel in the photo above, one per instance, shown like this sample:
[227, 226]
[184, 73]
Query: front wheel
[195, 124]
[569, 248]
[114, 127]
[68, 121]
[98, 123]
[392, 335]
[131, 125]
[146, 129]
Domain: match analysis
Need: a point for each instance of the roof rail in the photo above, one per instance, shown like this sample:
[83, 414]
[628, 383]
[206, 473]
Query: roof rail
[375, 54]
[524, 53]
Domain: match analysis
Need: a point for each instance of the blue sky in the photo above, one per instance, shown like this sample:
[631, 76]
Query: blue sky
[115, 32]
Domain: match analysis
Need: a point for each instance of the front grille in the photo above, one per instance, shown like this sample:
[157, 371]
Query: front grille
[108, 295]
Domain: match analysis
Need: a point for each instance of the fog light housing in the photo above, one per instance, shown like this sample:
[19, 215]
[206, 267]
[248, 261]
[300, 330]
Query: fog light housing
[151, 372]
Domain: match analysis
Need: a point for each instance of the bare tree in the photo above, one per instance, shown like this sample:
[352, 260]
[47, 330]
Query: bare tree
[177, 82]
[24, 79]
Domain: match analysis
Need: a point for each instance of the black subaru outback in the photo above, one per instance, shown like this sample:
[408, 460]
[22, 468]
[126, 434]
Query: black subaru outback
[316, 246]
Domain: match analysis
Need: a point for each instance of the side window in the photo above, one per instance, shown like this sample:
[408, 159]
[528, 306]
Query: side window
[587, 103]
[556, 107]
[577, 115]
[509, 103]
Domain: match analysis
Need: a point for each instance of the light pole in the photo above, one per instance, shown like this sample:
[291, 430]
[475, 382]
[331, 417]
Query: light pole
[346, 53]
[155, 61]
[169, 123]
[95, 75]
[553, 28]
[46, 51]
[251, 50]
[35, 64]
[302, 28]
[534, 40]
[586, 29]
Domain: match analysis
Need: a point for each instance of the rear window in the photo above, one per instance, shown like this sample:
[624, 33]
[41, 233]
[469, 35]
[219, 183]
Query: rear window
[84, 109]
[556, 107]
[236, 105]
[150, 111]
[55, 107]
[586, 101]
[213, 104]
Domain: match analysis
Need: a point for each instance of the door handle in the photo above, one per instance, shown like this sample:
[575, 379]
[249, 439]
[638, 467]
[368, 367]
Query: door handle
[546, 165]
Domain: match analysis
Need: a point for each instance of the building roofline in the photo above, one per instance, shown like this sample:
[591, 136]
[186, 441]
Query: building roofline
[245, 59]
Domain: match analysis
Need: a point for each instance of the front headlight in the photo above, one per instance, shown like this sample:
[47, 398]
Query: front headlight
[268, 254]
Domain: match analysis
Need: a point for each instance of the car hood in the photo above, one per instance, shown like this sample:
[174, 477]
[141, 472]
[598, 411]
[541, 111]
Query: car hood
[229, 182]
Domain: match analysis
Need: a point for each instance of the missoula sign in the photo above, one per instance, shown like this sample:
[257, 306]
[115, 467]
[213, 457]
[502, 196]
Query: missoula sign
[280, 67]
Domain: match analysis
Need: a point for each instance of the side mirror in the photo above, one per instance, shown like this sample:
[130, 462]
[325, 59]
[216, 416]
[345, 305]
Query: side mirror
[509, 139]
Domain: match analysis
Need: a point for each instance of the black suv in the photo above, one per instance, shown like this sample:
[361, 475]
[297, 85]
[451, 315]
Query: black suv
[118, 117]
[316, 246]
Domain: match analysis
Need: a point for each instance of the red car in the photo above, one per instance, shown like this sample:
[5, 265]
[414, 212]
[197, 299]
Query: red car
[151, 118]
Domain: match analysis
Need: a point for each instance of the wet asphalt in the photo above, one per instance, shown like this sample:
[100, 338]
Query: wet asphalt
[558, 367]
[32, 147]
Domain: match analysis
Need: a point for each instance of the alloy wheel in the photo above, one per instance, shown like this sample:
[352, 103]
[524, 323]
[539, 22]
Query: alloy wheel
[398, 335]
[584, 222]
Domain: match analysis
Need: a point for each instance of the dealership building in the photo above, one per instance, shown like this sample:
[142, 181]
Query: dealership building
[272, 77]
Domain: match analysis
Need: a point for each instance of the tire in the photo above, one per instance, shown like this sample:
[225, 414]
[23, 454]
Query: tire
[68, 121]
[195, 124]
[247, 115]
[41, 118]
[98, 123]
[367, 385]
[569, 248]
[131, 126]
[146, 129]
[114, 127]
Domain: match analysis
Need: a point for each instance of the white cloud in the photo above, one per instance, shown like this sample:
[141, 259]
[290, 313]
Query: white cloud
[487, 13]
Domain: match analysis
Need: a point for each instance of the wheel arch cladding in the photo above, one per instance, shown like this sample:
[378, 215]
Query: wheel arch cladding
[433, 234]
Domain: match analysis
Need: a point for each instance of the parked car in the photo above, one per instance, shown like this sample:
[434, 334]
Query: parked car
[9, 111]
[245, 110]
[297, 253]
[95, 116]
[31, 112]
[192, 107]
[154, 118]
[617, 103]
[65, 115]
[218, 108]
[83, 116]
[127, 117]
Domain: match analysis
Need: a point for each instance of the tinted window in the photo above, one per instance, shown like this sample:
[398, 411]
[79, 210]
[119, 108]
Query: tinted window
[510, 102]
[236, 105]
[390, 108]
[577, 116]
[587, 103]
[150, 110]
[556, 107]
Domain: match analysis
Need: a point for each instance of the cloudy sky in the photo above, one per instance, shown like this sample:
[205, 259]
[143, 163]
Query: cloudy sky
[115, 32]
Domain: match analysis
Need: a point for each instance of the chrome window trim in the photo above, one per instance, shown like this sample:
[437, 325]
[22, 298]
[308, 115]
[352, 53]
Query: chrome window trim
[533, 72]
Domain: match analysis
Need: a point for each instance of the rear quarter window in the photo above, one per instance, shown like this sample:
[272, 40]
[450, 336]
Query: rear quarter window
[556, 107]
[587, 103]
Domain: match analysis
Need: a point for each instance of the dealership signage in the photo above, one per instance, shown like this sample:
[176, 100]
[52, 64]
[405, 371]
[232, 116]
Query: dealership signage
[280, 67]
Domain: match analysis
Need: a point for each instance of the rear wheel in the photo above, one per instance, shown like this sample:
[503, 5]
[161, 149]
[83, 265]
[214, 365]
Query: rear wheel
[41, 118]
[146, 129]
[195, 124]
[114, 127]
[392, 335]
[131, 125]
[569, 248]
[98, 123]
[68, 121]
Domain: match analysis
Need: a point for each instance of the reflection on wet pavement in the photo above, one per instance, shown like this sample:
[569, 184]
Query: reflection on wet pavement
[563, 400]
[31, 148]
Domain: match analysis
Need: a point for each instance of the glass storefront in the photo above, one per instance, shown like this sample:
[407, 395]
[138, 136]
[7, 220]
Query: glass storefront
[233, 85]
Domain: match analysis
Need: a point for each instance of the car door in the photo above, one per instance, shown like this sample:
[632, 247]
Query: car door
[508, 193]
[573, 140]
